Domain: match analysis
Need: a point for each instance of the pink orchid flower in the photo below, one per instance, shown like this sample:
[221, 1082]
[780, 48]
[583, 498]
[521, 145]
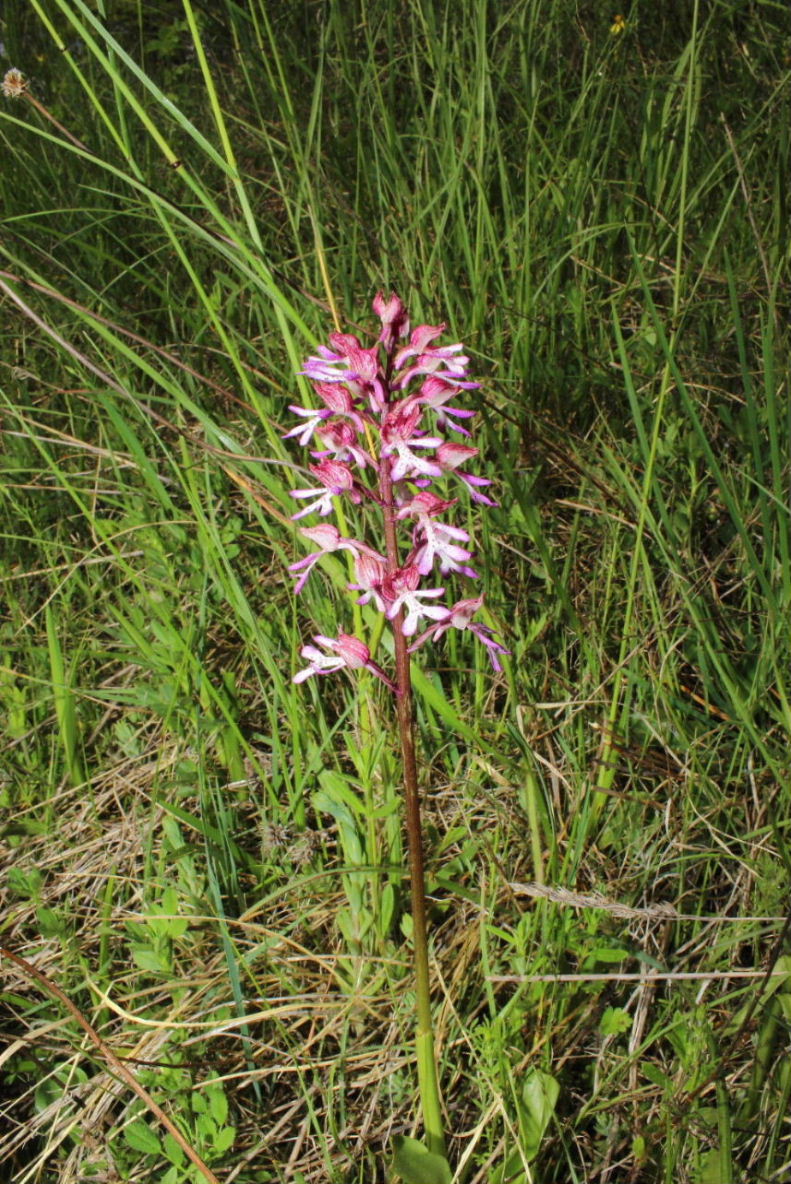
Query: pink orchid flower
[328, 539]
[371, 406]
[401, 591]
[343, 650]
[459, 617]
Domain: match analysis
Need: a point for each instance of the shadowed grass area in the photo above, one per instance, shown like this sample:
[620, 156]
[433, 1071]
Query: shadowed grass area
[208, 859]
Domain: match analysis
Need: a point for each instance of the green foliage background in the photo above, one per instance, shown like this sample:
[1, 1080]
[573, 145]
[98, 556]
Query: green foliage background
[208, 860]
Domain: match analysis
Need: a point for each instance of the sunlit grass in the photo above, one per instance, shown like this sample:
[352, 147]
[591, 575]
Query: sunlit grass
[207, 859]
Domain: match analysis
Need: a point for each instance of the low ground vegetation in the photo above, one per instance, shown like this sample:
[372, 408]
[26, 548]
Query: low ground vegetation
[206, 859]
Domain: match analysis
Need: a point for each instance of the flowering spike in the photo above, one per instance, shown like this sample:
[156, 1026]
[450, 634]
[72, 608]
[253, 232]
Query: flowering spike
[379, 396]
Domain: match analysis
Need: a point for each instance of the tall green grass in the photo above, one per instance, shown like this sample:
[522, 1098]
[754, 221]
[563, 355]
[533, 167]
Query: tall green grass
[208, 860]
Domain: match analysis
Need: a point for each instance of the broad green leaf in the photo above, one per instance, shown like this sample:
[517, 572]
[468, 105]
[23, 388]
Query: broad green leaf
[140, 1137]
[387, 902]
[780, 985]
[712, 1169]
[50, 922]
[415, 1164]
[218, 1104]
[337, 788]
[147, 958]
[607, 954]
[323, 803]
[173, 1150]
[511, 1171]
[539, 1098]
[206, 1129]
[224, 1139]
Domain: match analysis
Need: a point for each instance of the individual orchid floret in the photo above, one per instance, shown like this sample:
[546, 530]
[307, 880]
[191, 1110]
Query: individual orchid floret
[363, 363]
[426, 504]
[435, 544]
[345, 650]
[400, 435]
[430, 359]
[339, 401]
[419, 342]
[450, 455]
[460, 617]
[394, 318]
[435, 393]
[401, 591]
[336, 478]
[434, 540]
[340, 440]
[370, 570]
[328, 539]
[348, 362]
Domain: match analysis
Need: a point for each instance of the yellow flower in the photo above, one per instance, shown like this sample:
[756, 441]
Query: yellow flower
[14, 83]
[618, 25]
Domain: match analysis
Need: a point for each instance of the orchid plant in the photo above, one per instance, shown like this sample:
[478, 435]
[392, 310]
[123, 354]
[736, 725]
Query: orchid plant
[379, 438]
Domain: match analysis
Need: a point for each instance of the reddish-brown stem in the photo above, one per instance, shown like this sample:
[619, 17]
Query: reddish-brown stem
[407, 738]
[425, 1039]
[48, 115]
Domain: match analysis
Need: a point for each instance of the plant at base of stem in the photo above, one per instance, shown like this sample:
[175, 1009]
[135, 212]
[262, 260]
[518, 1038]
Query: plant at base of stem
[374, 404]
